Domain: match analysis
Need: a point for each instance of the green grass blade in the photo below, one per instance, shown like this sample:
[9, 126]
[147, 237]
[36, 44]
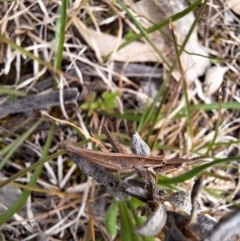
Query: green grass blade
[163, 23]
[29, 54]
[30, 168]
[60, 34]
[11, 91]
[155, 119]
[21, 200]
[127, 226]
[39, 163]
[146, 118]
[216, 127]
[15, 128]
[144, 33]
[195, 171]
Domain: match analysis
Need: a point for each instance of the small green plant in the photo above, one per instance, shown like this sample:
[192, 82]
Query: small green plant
[107, 101]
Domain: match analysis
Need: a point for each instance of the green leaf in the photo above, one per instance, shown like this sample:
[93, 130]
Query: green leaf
[102, 105]
[111, 220]
[108, 102]
[84, 106]
[11, 91]
[109, 95]
[95, 105]
[127, 226]
[111, 104]
[214, 61]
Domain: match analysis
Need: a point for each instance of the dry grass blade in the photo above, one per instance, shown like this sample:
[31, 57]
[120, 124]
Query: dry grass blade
[115, 63]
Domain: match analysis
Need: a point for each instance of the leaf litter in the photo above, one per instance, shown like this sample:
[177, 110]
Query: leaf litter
[32, 24]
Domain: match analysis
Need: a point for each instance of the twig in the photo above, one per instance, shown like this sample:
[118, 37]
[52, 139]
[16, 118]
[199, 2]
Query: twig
[38, 102]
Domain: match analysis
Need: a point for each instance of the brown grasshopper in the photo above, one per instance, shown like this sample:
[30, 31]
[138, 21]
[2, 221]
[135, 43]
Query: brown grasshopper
[123, 162]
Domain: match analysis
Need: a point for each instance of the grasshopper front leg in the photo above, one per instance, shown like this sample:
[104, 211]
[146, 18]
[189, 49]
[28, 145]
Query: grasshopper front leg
[149, 178]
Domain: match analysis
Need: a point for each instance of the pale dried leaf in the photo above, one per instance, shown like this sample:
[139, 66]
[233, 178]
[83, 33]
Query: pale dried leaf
[104, 44]
[214, 79]
[146, 7]
[193, 64]
[156, 219]
[234, 5]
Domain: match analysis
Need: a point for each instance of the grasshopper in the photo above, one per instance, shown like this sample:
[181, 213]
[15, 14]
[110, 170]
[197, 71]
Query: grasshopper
[123, 162]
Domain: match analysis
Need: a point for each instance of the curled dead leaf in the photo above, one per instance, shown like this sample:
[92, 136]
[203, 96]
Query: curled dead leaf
[139, 146]
[156, 219]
